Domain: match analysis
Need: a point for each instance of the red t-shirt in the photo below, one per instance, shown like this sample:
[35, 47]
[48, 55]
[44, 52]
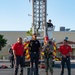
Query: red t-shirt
[65, 49]
[19, 49]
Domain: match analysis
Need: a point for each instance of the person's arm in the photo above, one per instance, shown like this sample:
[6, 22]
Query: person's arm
[62, 55]
[14, 51]
[70, 51]
[52, 48]
[29, 47]
[43, 50]
[60, 52]
[14, 54]
[24, 52]
[39, 46]
[9, 51]
[69, 54]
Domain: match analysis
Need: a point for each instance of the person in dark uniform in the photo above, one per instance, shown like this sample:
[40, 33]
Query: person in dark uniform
[34, 50]
[18, 50]
[65, 51]
[11, 57]
[49, 24]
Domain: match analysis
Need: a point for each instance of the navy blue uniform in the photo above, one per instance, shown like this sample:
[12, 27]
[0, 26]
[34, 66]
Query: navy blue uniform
[34, 46]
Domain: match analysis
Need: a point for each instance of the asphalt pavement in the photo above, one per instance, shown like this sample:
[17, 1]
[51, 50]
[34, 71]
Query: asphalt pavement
[41, 71]
[57, 69]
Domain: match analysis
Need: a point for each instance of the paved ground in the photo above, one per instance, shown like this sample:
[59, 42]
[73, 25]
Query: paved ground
[41, 71]
[57, 69]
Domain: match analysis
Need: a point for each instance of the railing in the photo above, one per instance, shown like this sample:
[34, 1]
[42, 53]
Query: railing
[51, 28]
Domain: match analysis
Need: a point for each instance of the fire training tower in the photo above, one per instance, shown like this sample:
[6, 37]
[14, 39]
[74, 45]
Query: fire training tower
[39, 13]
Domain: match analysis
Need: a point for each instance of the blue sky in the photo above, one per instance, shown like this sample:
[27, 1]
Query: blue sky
[14, 14]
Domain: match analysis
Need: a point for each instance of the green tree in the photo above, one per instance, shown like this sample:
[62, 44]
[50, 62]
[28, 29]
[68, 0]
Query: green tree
[29, 33]
[3, 41]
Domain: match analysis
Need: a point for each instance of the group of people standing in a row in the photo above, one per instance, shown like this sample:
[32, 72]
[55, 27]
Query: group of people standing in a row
[34, 51]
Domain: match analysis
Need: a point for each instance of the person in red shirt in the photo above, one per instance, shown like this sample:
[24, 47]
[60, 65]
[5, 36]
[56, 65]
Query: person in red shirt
[18, 51]
[65, 51]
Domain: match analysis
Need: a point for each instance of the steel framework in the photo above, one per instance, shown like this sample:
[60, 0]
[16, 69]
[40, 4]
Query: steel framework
[39, 14]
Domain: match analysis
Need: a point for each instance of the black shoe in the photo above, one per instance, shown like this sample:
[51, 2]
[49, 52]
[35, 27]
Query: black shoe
[21, 73]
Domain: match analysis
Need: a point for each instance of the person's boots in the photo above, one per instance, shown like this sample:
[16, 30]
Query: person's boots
[51, 73]
[46, 73]
[21, 73]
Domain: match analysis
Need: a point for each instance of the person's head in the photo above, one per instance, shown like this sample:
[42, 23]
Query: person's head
[49, 21]
[47, 41]
[19, 40]
[34, 36]
[65, 42]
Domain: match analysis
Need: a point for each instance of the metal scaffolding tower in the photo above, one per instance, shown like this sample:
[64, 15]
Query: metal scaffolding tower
[39, 13]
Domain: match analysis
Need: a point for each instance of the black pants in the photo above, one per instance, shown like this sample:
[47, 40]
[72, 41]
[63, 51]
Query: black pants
[19, 61]
[34, 58]
[12, 61]
[67, 61]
